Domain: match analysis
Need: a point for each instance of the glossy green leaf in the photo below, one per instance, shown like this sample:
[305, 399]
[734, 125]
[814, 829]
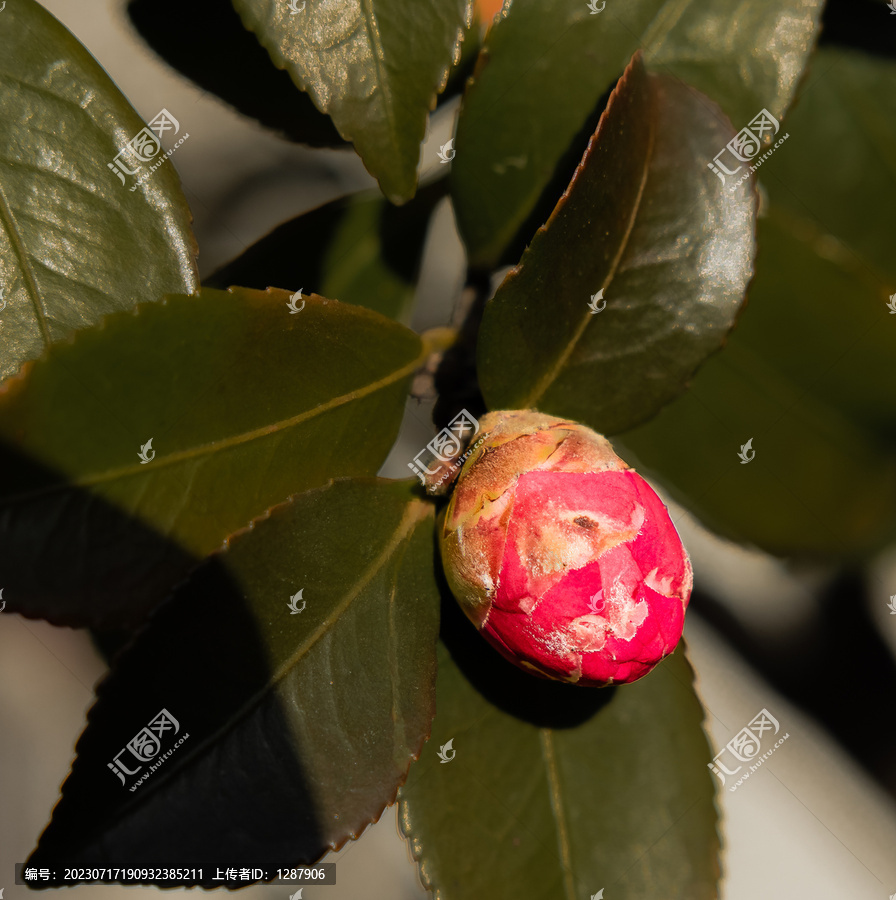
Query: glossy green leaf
[179, 32]
[245, 404]
[529, 112]
[556, 791]
[360, 250]
[301, 724]
[375, 67]
[647, 227]
[75, 243]
[807, 373]
[254, 87]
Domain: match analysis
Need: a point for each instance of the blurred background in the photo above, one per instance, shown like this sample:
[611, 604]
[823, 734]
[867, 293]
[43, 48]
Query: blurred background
[813, 643]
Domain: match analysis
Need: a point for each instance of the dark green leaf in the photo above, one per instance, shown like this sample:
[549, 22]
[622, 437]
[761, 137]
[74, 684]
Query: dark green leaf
[245, 404]
[301, 726]
[808, 371]
[375, 68]
[558, 791]
[528, 114]
[647, 222]
[841, 215]
[75, 242]
[360, 250]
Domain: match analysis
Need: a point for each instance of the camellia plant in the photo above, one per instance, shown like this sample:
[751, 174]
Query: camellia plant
[190, 470]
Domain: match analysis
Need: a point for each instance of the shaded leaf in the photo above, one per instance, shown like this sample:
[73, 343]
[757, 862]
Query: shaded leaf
[375, 68]
[301, 726]
[360, 250]
[566, 790]
[531, 108]
[253, 86]
[245, 404]
[75, 243]
[647, 222]
[807, 373]
[840, 215]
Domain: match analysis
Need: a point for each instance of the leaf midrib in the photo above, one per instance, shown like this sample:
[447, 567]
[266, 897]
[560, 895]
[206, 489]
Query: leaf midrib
[551, 375]
[546, 738]
[416, 512]
[377, 52]
[8, 219]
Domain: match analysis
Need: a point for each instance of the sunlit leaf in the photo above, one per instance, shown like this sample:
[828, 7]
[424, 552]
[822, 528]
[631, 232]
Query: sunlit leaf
[527, 116]
[638, 274]
[807, 372]
[75, 243]
[245, 403]
[254, 86]
[374, 67]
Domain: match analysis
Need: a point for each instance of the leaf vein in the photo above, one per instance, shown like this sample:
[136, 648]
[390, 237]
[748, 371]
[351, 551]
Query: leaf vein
[7, 217]
[550, 763]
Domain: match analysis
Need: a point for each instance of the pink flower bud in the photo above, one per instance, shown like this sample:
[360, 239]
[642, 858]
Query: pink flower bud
[563, 557]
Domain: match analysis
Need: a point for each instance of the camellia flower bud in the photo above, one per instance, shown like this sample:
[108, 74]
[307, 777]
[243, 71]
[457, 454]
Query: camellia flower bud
[563, 557]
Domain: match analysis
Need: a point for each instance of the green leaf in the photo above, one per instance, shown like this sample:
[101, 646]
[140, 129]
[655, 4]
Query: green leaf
[253, 86]
[375, 67]
[558, 791]
[645, 221]
[360, 250]
[842, 217]
[301, 726]
[531, 108]
[245, 404]
[807, 373]
[75, 242]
